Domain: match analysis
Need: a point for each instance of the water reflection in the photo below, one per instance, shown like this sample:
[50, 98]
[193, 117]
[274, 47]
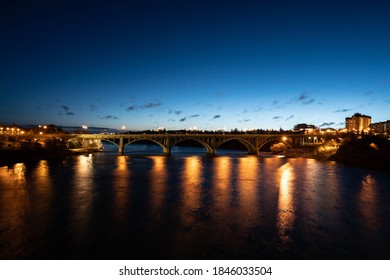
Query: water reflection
[247, 187]
[286, 207]
[219, 207]
[121, 186]
[191, 179]
[158, 175]
[82, 192]
[367, 202]
[222, 181]
[19, 174]
[41, 194]
[13, 217]
[324, 195]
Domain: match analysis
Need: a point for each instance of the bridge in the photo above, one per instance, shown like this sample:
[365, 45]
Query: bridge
[211, 142]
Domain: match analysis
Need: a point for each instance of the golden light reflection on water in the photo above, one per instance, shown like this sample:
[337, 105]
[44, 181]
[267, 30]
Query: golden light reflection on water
[121, 173]
[82, 192]
[15, 176]
[13, 201]
[121, 185]
[248, 179]
[42, 191]
[41, 177]
[368, 200]
[158, 176]
[286, 207]
[191, 179]
[222, 182]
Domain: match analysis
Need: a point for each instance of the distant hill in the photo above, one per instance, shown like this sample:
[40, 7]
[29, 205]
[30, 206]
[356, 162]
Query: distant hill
[72, 129]
[91, 129]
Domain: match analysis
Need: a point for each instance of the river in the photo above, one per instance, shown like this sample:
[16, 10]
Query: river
[189, 205]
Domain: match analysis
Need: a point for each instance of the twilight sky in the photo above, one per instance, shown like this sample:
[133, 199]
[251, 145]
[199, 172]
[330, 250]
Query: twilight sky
[179, 64]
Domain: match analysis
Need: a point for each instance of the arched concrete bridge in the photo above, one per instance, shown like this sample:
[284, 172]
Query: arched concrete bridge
[253, 142]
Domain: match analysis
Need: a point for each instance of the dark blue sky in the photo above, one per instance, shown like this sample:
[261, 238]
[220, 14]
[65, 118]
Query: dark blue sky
[180, 64]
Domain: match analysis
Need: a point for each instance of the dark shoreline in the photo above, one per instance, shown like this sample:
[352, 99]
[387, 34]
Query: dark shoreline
[358, 153]
[10, 157]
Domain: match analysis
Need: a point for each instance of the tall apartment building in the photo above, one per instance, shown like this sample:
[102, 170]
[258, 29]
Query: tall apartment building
[381, 127]
[358, 123]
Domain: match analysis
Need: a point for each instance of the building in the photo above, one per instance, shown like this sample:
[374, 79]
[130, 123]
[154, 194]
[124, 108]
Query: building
[358, 123]
[381, 127]
[303, 127]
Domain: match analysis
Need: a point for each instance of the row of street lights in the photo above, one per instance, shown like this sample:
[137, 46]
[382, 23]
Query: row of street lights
[12, 131]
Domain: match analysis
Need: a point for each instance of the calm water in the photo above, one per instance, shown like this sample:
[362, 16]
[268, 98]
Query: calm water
[192, 206]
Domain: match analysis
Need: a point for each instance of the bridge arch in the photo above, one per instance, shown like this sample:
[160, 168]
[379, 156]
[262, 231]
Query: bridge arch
[207, 146]
[109, 141]
[286, 142]
[251, 148]
[165, 148]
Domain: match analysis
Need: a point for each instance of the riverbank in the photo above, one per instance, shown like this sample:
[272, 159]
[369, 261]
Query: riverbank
[84, 150]
[8, 157]
[315, 152]
[369, 152]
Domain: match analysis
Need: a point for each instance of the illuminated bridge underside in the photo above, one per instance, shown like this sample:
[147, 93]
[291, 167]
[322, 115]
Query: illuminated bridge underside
[253, 142]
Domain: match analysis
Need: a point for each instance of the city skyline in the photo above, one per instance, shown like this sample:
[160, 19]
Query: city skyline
[210, 65]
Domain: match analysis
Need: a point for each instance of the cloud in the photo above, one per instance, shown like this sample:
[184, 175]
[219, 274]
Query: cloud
[303, 98]
[189, 117]
[131, 108]
[109, 117]
[244, 120]
[277, 118]
[276, 104]
[369, 92]
[92, 108]
[289, 118]
[144, 106]
[151, 105]
[216, 117]
[175, 112]
[325, 124]
[308, 101]
[342, 110]
[66, 111]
